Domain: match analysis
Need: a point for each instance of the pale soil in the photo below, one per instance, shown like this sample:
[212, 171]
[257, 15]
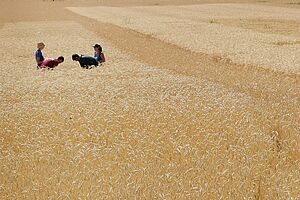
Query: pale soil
[156, 121]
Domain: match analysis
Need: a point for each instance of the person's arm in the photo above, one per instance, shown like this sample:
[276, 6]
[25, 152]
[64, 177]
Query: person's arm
[96, 56]
[102, 60]
[81, 63]
[43, 67]
[44, 64]
[38, 60]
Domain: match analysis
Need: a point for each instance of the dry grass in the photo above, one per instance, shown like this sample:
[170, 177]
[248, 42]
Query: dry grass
[131, 130]
[270, 26]
[282, 43]
[196, 28]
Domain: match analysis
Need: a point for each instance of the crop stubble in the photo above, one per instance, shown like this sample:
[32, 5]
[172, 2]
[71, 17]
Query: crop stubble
[130, 130]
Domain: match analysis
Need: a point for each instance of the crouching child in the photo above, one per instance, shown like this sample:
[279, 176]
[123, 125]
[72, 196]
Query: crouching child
[86, 62]
[52, 63]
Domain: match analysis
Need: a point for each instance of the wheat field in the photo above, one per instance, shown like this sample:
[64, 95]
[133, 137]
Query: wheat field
[197, 100]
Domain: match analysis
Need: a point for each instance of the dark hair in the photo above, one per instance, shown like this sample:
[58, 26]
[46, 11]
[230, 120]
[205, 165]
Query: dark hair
[61, 58]
[98, 46]
[74, 56]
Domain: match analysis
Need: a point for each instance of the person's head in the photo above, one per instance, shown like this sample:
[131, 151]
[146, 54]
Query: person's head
[75, 57]
[61, 59]
[98, 48]
[40, 45]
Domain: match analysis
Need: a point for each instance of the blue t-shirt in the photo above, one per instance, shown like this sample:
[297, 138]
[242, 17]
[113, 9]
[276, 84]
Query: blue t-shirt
[97, 57]
[39, 54]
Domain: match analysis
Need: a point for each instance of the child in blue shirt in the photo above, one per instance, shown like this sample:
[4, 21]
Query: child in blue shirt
[39, 55]
[98, 55]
